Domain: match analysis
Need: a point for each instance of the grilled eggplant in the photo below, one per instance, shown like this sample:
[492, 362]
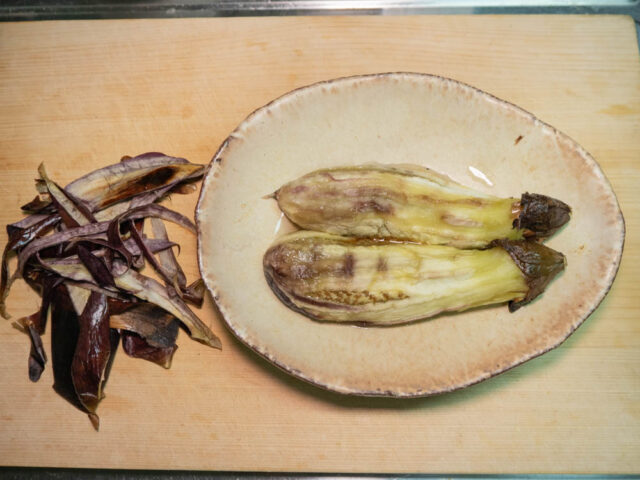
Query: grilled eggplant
[406, 202]
[344, 279]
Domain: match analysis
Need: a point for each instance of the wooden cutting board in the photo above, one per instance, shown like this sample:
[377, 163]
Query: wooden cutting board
[79, 95]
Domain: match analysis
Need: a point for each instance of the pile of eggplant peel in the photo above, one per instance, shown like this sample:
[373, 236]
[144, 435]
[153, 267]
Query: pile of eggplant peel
[82, 248]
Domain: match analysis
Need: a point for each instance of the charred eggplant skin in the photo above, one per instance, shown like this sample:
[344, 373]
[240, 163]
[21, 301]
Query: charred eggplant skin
[539, 265]
[411, 203]
[345, 279]
[540, 215]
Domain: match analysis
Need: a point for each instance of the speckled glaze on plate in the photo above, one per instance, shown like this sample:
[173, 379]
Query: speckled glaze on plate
[453, 128]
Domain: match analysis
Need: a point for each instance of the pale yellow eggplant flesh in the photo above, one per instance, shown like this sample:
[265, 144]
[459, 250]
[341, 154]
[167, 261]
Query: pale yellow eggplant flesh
[341, 279]
[411, 203]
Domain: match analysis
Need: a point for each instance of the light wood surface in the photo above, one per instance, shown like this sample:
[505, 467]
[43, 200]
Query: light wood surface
[79, 95]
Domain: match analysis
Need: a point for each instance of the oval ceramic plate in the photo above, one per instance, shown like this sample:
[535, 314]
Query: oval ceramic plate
[453, 128]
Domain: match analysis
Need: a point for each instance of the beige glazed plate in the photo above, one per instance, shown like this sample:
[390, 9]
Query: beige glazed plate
[455, 129]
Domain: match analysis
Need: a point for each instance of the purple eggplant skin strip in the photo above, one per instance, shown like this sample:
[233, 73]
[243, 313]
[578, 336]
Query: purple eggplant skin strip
[149, 290]
[38, 205]
[194, 293]
[167, 258]
[89, 197]
[35, 324]
[157, 211]
[92, 351]
[27, 222]
[148, 332]
[124, 180]
[127, 250]
[118, 306]
[137, 347]
[65, 332]
[152, 210]
[35, 368]
[96, 266]
[57, 239]
[37, 355]
[146, 198]
[101, 227]
[156, 195]
[154, 244]
[115, 239]
[111, 294]
[82, 206]
[142, 161]
[149, 256]
[157, 326]
[114, 339]
[18, 238]
[72, 212]
[64, 339]
[145, 179]
[153, 156]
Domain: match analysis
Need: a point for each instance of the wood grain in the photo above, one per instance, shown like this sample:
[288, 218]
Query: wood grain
[79, 95]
